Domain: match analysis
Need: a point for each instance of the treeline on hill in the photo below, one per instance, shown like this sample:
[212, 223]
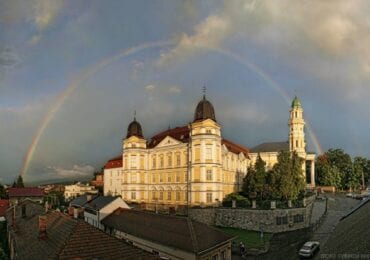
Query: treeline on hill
[337, 168]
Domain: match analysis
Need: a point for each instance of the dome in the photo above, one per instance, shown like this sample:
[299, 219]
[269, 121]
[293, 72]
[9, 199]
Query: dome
[204, 110]
[134, 129]
[296, 102]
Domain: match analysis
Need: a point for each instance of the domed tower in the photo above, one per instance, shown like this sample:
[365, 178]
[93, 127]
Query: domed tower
[134, 161]
[205, 149]
[296, 128]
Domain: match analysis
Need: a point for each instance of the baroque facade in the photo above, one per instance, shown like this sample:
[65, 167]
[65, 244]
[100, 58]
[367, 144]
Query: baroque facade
[192, 164]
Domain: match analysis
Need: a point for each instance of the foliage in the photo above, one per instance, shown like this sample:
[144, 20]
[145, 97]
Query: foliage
[287, 176]
[3, 194]
[336, 168]
[241, 201]
[18, 183]
[255, 182]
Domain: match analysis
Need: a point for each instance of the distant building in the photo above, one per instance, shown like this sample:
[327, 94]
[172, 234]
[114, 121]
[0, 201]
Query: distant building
[36, 235]
[193, 164]
[98, 182]
[78, 189]
[17, 195]
[168, 236]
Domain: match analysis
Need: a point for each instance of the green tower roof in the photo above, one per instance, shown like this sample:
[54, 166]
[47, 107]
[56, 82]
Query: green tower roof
[296, 102]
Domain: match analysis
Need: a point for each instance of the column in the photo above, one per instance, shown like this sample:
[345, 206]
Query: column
[313, 173]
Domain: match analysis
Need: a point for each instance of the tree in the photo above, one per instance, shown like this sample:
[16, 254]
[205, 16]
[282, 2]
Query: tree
[249, 183]
[20, 183]
[287, 176]
[361, 171]
[260, 177]
[343, 162]
[3, 194]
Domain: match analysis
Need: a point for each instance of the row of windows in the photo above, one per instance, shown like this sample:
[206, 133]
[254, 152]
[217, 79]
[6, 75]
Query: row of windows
[161, 195]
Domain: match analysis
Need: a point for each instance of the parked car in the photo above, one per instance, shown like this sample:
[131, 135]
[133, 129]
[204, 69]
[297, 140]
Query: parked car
[309, 249]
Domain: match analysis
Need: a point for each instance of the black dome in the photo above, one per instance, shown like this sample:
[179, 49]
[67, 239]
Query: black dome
[134, 129]
[204, 110]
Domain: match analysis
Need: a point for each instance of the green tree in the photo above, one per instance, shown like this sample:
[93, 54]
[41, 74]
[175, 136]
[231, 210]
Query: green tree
[343, 162]
[360, 170]
[3, 194]
[20, 183]
[260, 177]
[249, 183]
[287, 176]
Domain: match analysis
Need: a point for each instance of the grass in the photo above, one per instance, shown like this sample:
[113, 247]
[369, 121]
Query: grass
[251, 239]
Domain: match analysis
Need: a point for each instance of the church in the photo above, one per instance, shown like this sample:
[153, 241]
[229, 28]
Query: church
[193, 165]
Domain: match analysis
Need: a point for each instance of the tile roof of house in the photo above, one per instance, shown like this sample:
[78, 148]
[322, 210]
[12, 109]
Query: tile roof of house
[351, 235]
[81, 200]
[4, 204]
[271, 147]
[235, 148]
[177, 232]
[115, 162]
[25, 192]
[180, 133]
[99, 202]
[67, 238]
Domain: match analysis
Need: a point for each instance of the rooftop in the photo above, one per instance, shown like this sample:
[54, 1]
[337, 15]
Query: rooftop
[271, 147]
[67, 238]
[25, 192]
[177, 232]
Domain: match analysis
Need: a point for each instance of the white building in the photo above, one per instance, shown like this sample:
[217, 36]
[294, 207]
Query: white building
[78, 189]
[98, 208]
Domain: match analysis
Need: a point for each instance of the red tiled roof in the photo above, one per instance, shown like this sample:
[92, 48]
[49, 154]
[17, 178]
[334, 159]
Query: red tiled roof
[179, 133]
[4, 204]
[235, 148]
[25, 192]
[114, 163]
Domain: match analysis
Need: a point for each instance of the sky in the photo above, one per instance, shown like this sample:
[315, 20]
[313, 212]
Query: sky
[72, 73]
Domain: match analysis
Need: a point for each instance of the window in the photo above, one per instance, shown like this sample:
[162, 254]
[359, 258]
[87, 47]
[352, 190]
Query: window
[177, 177]
[208, 131]
[153, 163]
[161, 161]
[161, 177]
[208, 153]
[169, 160]
[209, 175]
[296, 143]
[169, 195]
[133, 178]
[133, 161]
[177, 195]
[178, 159]
[223, 255]
[153, 178]
[133, 195]
[215, 257]
[298, 218]
[281, 220]
[169, 178]
[153, 195]
[209, 197]
[161, 195]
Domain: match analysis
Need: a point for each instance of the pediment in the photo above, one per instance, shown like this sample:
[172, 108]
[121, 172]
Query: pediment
[168, 141]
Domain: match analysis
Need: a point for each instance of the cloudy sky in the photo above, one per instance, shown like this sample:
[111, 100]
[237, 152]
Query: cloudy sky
[72, 73]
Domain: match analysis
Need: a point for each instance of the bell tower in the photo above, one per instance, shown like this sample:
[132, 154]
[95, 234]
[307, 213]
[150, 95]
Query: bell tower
[296, 128]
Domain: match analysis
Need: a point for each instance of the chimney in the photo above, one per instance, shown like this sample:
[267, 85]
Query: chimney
[88, 197]
[42, 227]
[75, 213]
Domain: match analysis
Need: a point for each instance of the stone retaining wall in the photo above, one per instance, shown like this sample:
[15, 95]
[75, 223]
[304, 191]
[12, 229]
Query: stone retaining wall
[272, 221]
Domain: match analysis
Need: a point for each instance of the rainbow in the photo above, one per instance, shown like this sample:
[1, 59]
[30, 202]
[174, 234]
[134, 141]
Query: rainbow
[102, 64]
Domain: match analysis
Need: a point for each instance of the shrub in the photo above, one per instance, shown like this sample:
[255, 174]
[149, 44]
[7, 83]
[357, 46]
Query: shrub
[241, 201]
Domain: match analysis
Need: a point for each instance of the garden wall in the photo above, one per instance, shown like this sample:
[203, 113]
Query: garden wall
[272, 221]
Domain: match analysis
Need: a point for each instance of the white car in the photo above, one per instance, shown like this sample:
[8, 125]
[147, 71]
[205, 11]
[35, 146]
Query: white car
[309, 249]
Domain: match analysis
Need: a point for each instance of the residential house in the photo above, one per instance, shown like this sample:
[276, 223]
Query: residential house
[34, 234]
[170, 237]
[17, 195]
[78, 189]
